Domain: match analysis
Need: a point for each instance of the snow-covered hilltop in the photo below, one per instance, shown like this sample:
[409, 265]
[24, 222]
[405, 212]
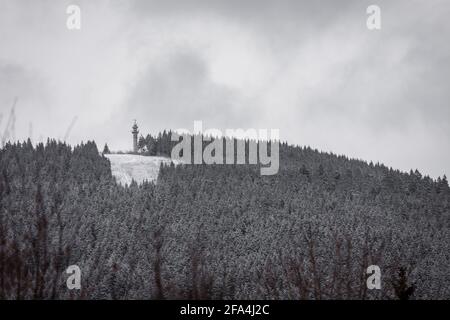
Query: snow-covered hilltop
[126, 167]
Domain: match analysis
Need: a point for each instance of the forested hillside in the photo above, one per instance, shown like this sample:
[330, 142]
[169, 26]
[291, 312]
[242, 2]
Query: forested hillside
[219, 231]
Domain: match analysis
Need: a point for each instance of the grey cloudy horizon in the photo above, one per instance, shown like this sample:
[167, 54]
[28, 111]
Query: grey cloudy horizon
[309, 68]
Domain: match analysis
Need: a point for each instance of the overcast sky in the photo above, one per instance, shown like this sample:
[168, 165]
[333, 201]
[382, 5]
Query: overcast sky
[309, 68]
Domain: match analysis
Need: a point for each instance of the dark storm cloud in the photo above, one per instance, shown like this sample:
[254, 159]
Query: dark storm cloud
[282, 22]
[178, 90]
[259, 11]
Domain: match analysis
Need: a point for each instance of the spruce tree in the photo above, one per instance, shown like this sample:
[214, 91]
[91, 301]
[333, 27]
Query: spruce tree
[106, 149]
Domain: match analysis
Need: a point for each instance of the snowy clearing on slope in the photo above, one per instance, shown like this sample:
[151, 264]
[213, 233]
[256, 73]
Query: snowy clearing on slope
[126, 167]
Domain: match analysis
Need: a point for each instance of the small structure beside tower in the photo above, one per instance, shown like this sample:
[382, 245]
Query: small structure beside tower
[135, 136]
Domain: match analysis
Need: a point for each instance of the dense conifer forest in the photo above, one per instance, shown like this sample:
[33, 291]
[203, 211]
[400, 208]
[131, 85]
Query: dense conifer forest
[219, 231]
